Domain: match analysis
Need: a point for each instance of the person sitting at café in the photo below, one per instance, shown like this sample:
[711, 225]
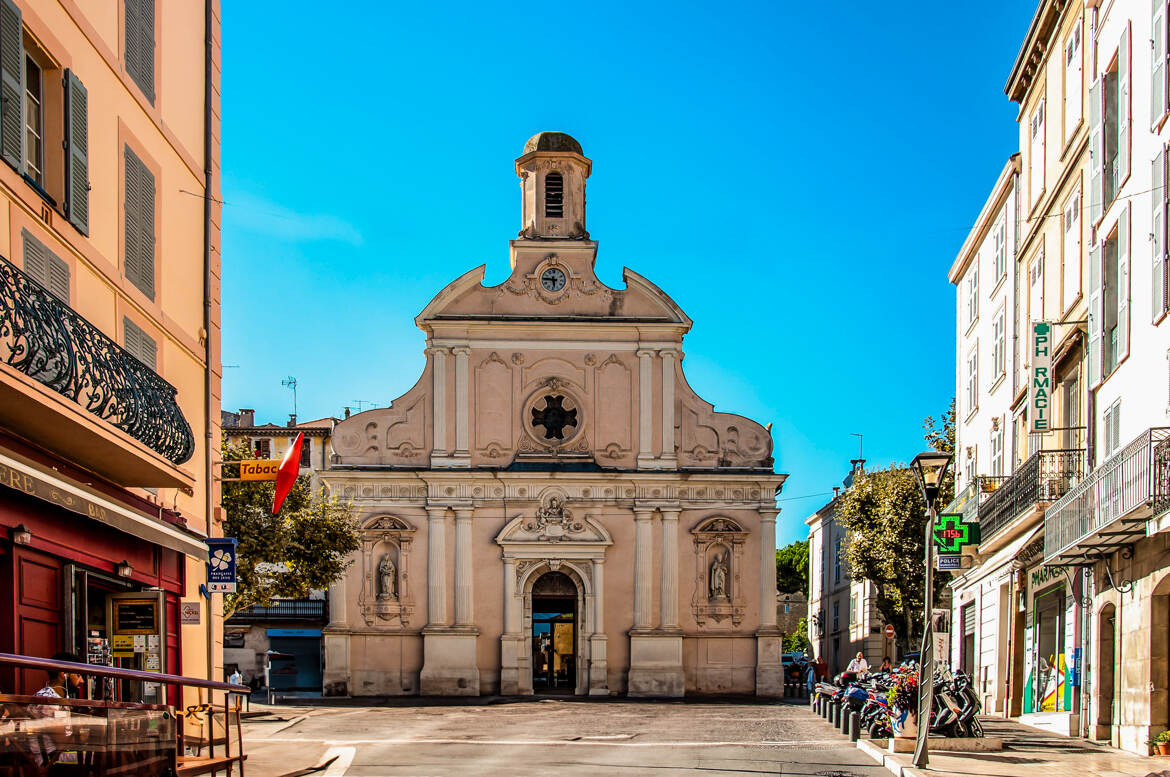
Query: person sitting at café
[859, 666]
[887, 665]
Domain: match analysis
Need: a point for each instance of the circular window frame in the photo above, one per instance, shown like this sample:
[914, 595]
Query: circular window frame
[536, 401]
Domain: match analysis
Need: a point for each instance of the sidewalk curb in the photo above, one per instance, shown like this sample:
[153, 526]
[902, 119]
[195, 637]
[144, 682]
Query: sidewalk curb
[888, 760]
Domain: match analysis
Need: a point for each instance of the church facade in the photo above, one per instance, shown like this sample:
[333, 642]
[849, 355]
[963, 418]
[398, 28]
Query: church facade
[551, 508]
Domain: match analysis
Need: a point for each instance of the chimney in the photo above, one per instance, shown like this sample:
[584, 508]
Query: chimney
[247, 416]
[347, 412]
[858, 466]
[836, 491]
[292, 419]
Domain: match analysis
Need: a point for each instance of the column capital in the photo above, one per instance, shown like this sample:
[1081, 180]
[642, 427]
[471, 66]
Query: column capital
[645, 353]
[672, 353]
[436, 512]
[769, 513]
[670, 512]
[463, 512]
[461, 350]
[643, 513]
[435, 350]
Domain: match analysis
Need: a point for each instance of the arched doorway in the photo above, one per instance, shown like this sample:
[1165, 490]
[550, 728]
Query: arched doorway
[1106, 679]
[553, 632]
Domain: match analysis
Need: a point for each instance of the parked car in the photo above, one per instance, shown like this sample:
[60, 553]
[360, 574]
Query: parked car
[794, 664]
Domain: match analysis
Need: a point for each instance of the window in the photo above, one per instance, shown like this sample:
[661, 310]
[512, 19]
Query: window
[999, 345]
[837, 561]
[836, 616]
[1071, 257]
[34, 162]
[1072, 81]
[1109, 301]
[853, 609]
[999, 246]
[786, 606]
[1111, 437]
[1159, 200]
[1109, 130]
[138, 213]
[972, 403]
[1036, 289]
[1071, 401]
[1158, 62]
[1036, 154]
[139, 344]
[970, 471]
[554, 196]
[139, 44]
[45, 267]
[307, 452]
[997, 448]
[973, 295]
[33, 136]
[263, 447]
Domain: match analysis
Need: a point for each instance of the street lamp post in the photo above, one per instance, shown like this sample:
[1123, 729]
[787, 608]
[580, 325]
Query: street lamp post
[930, 468]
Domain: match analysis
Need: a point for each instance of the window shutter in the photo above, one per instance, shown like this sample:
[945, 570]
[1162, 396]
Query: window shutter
[1158, 61]
[139, 344]
[139, 32]
[1124, 112]
[1158, 233]
[1095, 257]
[59, 277]
[44, 266]
[76, 153]
[139, 226]
[1123, 284]
[1096, 151]
[11, 85]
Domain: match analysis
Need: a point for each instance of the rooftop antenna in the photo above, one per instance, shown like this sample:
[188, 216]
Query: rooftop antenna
[360, 402]
[860, 444]
[291, 382]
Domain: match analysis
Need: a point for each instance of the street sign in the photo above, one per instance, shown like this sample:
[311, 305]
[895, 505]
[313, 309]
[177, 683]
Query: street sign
[259, 469]
[889, 631]
[221, 565]
[949, 561]
[952, 533]
[1040, 378]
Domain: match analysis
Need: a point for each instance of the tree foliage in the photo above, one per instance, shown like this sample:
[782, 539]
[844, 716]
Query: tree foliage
[884, 513]
[792, 568]
[287, 555]
[798, 640]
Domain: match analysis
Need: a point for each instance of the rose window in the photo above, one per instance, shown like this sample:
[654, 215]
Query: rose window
[554, 417]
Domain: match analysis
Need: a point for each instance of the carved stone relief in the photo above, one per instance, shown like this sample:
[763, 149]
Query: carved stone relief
[718, 549]
[385, 597]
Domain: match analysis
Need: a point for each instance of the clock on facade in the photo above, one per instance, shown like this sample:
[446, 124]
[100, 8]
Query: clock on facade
[553, 279]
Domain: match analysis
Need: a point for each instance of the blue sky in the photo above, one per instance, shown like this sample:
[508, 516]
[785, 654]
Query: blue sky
[798, 176]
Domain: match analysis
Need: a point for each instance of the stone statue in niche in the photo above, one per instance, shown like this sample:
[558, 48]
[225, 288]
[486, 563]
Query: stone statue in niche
[717, 587]
[387, 578]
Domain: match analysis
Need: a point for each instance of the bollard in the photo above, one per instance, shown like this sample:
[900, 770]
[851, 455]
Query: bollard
[827, 709]
[836, 719]
[843, 726]
[854, 726]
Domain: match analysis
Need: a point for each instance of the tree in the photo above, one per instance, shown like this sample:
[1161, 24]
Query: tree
[797, 641]
[287, 555]
[885, 516]
[792, 568]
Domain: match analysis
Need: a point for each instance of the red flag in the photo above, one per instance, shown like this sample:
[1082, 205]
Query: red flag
[286, 473]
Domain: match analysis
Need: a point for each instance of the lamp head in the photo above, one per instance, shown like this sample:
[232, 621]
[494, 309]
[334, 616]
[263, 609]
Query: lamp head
[931, 468]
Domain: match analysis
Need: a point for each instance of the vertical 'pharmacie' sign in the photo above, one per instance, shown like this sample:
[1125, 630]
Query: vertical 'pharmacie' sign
[1040, 380]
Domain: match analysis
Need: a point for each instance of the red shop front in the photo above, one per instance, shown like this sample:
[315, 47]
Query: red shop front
[88, 568]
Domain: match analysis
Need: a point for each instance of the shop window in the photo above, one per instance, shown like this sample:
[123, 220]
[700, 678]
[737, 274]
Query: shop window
[307, 453]
[1050, 686]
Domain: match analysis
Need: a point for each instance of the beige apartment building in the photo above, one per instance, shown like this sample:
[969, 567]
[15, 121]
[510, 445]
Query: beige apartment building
[109, 331]
[551, 508]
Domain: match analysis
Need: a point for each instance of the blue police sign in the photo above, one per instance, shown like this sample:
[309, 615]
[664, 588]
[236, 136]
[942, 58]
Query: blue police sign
[221, 565]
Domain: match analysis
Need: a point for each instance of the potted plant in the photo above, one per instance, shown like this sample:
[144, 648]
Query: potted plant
[1161, 743]
[903, 700]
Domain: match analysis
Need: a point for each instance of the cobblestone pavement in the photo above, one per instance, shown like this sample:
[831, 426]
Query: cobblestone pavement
[509, 736]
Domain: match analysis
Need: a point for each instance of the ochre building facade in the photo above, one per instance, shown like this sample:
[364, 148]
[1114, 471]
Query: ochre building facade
[551, 508]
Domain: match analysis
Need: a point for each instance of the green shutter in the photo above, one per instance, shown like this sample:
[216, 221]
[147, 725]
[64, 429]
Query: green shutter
[1124, 112]
[1157, 61]
[1158, 234]
[1096, 152]
[139, 223]
[139, 44]
[1122, 285]
[1096, 255]
[76, 153]
[11, 85]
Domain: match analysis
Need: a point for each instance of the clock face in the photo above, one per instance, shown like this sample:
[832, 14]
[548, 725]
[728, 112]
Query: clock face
[553, 279]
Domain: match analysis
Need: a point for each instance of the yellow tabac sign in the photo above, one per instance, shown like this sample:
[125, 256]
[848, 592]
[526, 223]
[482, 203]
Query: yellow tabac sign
[258, 469]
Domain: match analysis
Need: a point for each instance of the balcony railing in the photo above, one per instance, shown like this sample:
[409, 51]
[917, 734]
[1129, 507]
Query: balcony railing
[46, 340]
[1044, 477]
[1100, 513]
[967, 501]
[1162, 476]
[287, 610]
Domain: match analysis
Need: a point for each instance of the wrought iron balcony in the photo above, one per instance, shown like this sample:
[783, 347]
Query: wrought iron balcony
[1105, 510]
[1044, 477]
[45, 339]
[283, 610]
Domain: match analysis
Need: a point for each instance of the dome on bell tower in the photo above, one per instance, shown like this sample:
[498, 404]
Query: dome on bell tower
[553, 141]
[553, 170]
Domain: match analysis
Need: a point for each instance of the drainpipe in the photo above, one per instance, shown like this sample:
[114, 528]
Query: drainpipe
[209, 427]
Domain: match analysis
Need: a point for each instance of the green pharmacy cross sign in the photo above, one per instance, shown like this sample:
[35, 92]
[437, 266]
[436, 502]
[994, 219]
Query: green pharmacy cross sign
[952, 534]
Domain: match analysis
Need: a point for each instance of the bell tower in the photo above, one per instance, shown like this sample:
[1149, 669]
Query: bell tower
[553, 170]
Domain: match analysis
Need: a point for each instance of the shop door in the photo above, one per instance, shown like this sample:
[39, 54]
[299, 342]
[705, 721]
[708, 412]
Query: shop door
[301, 671]
[554, 634]
[967, 646]
[39, 611]
[1050, 651]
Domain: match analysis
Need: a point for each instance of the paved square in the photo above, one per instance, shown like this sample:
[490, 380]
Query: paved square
[547, 736]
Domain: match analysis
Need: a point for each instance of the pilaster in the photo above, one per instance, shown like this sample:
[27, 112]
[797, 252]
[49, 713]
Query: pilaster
[655, 654]
[462, 405]
[668, 456]
[668, 591]
[643, 566]
[464, 573]
[598, 641]
[645, 408]
[438, 358]
[769, 640]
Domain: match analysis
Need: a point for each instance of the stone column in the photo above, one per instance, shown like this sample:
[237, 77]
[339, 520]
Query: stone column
[512, 623]
[464, 574]
[512, 643]
[645, 407]
[769, 672]
[336, 678]
[337, 614]
[439, 401]
[436, 566]
[598, 641]
[642, 567]
[668, 592]
[461, 401]
[668, 453]
[599, 593]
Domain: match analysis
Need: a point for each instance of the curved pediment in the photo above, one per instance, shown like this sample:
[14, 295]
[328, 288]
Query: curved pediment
[554, 523]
